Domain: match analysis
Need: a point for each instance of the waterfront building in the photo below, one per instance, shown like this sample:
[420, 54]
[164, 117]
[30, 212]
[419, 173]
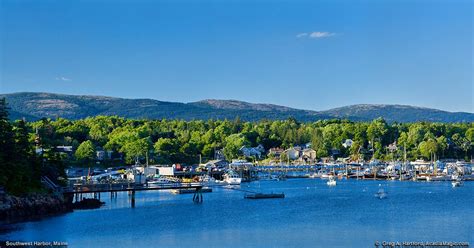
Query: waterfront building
[275, 152]
[252, 151]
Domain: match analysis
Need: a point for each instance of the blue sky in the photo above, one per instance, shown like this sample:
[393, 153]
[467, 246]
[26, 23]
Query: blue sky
[303, 54]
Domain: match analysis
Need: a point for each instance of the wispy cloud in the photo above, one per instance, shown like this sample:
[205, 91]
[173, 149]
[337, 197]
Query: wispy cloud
[63, 79]
[319, 35]
[301, 35]
[315, 35]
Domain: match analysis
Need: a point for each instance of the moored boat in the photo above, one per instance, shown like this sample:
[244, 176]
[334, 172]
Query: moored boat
[231, 177]
[331, 181]
[381, 194]
[457, 183]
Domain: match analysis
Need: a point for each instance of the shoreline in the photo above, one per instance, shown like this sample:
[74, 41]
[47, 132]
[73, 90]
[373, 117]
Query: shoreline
[32, 207]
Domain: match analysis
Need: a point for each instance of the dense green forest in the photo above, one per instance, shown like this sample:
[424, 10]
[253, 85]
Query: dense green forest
[21, 168]
[177, 141]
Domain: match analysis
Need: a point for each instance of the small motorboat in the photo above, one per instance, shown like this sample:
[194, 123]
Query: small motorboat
[457, 183]
[381, 194]
[314, 175]
[206, 179]
[331, 181]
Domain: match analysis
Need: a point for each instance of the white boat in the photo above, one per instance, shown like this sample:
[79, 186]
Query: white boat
[324, 176]
[456, 183]
[332, 181]
[314, 175]
[440, 178]
[455, 177]
[160, 180]
[232, 178]
[406, 176]
[381, 193]
[206, 179]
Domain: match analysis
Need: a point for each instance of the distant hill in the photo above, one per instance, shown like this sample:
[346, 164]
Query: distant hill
[34, 106]
[399, 113]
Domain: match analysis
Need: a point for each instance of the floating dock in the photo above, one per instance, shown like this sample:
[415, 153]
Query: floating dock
[191, 191]
[264, 196]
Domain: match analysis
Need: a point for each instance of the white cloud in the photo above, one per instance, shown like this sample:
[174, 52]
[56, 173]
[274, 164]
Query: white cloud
[315, 35]
[63, 78]
[301, 35]
[319, 35]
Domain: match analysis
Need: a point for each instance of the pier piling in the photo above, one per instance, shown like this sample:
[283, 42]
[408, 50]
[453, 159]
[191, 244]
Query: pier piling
[133, 198]
[197, 197]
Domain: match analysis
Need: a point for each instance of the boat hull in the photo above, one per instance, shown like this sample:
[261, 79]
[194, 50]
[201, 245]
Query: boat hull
[233, 181]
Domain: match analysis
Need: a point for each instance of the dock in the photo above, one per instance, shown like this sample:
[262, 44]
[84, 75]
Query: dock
[95, 189]
[264, 195]
[190, 191]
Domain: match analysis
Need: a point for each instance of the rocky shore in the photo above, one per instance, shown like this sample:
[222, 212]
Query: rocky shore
[13, 208]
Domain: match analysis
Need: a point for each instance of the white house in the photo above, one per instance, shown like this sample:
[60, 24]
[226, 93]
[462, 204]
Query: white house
[293, 153]
[252, 151]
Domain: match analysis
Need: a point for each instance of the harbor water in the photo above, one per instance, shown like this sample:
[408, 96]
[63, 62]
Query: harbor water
[311, 215]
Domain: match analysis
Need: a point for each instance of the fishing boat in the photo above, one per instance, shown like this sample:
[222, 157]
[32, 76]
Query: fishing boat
[331, 181]
[232, 178]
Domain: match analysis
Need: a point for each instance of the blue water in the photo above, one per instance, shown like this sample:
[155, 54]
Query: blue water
[311, 215]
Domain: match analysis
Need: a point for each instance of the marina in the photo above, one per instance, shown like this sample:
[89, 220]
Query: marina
[148, 178]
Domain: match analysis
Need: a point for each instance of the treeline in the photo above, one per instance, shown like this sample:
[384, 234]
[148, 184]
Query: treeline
[176, 141]
[20, 167]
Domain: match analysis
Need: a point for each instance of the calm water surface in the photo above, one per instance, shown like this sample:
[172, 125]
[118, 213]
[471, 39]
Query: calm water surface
[311, 215]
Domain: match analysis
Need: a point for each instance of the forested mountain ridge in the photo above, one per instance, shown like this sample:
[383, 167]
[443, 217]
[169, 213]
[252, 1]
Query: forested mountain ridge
[33, 106]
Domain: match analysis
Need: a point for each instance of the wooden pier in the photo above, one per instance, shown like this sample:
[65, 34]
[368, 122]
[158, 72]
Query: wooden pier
[77, 190]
